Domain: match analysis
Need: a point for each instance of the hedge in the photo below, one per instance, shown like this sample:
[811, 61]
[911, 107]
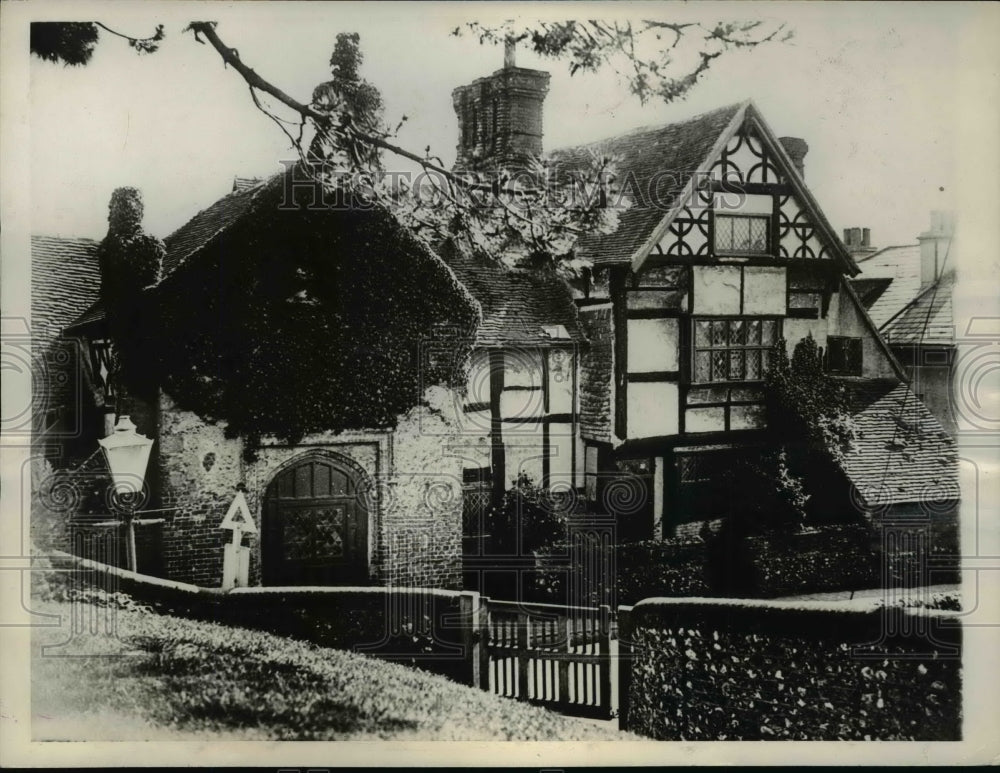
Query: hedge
[825, 559]
[704, 669]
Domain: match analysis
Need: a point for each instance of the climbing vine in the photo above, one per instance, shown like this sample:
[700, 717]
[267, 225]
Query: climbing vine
[297, 320]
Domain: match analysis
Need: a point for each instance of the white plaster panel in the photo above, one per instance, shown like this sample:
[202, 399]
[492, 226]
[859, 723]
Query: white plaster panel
[716, 289]
[763, 290]
[652, 345]
[561, 364]
[705, 419]
[652, 409]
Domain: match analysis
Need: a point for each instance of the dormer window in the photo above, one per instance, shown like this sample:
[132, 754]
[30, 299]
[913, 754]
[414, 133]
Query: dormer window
[741, 234]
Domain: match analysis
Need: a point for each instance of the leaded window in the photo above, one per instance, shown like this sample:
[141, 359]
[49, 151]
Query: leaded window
[733, 349]
[741, 234]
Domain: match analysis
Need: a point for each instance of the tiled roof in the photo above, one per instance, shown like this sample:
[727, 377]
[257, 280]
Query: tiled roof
[902, 453]
[206, 224]
[900, 264]
[241, 184]
[870, 290]
[517, 305]
[927, 319]
[901, 309]
[679, 148]
[65, 280]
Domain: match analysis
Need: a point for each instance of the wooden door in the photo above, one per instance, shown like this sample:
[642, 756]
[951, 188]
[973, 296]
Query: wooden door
[315, 526]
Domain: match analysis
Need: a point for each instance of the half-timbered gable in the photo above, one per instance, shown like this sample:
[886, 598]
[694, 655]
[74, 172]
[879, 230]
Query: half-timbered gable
[723, 253]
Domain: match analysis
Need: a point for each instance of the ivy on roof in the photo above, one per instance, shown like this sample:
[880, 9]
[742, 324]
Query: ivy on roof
[294, 320]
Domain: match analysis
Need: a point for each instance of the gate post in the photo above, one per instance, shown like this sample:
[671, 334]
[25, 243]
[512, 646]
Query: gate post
[469, 605]
[623, 664]
[604, 650]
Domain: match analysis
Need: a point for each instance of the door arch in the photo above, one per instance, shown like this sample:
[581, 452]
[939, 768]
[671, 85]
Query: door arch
[314, 528]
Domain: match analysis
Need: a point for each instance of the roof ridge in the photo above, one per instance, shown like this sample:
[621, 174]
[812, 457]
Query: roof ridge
[653, 127]
[880, 250]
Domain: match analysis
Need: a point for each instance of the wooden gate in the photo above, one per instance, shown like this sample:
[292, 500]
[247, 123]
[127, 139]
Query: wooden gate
[554, 656]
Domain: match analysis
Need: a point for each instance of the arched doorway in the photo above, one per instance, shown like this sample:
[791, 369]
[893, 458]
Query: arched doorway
[315, 524]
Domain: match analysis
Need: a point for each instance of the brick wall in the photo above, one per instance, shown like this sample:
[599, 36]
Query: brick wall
[411, 486]
[500, 118]
[596, 375]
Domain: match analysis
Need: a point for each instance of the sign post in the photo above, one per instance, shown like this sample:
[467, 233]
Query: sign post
[236, 557]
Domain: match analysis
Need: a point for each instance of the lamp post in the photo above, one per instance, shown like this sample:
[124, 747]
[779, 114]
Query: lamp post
[127, 454]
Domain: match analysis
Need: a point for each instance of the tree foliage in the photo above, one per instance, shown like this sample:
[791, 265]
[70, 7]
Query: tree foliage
[658, 59]
[806, 408]
[72, 43]
[522, 217]
[69, 42]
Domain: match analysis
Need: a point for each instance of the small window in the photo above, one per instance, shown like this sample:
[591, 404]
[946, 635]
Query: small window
[844, 355]
[741, 234]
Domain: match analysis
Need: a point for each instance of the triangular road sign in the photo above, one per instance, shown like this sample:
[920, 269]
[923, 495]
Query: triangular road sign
[238, 516]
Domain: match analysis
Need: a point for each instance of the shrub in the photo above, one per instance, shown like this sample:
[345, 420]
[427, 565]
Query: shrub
[528, 520]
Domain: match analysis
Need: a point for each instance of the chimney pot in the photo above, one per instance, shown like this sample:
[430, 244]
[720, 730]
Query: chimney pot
[866, 236]
[796, 148]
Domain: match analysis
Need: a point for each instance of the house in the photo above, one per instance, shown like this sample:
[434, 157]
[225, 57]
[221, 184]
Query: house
[907, 290]
[355, 383]
[726, 252]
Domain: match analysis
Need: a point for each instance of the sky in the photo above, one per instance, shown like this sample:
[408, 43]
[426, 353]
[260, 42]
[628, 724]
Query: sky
[870, 87]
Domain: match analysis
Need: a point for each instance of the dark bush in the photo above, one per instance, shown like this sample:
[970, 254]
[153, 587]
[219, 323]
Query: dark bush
[726, 563]
[529, 519]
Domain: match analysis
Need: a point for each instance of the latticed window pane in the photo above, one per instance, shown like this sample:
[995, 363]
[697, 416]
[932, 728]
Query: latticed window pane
[765, 360]
[768, 327]
[720, 335]
[736, 365]
[702, 366]
[753, 364]
[719, 365]
[702, 333]
[724, 234]
[753, 331]
[758, 235]
[736, 333]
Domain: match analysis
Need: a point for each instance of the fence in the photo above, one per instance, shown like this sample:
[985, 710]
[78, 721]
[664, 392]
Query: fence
[554, 656]
[678, 669]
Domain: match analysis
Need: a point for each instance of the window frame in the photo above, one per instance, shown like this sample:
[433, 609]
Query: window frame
[845, 371]
[693, 380]
[717, 250]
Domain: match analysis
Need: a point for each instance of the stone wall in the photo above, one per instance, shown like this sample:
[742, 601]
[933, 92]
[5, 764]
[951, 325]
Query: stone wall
[412, 491]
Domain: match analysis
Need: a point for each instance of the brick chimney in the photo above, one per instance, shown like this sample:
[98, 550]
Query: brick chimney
[934, 245]
[500, 117]
[796, 148]
[858, 241]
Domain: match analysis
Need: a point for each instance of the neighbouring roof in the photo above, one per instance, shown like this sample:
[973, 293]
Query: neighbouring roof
[870, 290]
[519, 307]
[65, 279]
[680, 148]
[927, 319]
[905, 312]
[902, 453]
[901, 266]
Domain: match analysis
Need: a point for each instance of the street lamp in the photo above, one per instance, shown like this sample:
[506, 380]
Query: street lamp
[127, 453]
